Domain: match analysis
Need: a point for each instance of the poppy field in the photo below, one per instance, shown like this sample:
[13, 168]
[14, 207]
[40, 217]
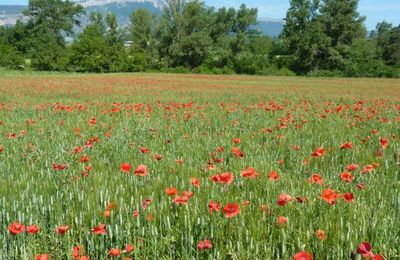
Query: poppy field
[168, 166]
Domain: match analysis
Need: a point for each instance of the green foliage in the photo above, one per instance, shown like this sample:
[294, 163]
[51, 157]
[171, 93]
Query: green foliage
[49, 21]
[391, 49]
[88, 51]
[10, 57]
[141, 30]
[342, 25]
[320, 37]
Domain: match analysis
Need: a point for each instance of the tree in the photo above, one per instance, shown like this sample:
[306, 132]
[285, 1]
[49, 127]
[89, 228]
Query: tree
[343, 25]
[141, 29]
[115, 51]
[391, 49]
[304, 35]
[224, 23]
[245, 17]
[9, 56]
[185, 33]
[141, 34]
[89, 50]
[49, 21]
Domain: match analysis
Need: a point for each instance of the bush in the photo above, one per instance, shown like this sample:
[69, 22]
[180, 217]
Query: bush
[10, 58]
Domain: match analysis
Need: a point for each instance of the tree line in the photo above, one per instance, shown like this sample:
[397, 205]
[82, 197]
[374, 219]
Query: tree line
[320, 38]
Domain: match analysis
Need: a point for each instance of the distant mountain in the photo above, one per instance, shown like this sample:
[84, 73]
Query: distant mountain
[123, 9]
[10, 13]
[271, 27]
[87, 3]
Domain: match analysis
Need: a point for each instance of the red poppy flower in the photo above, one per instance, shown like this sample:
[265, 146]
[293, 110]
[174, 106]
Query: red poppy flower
[61, 230]
[329, 196]
[125, 167]
[180, 200]
[171, 191]
[249, 172]
[149, 217]
[367, 168]
[16, 228]
[32, 229]
[42, 257]
[231, 210]
[187, 194]
[284, 198]
[179, 161]
[146, 203]
[246, 203]
[320, 234]
[273, 176]
[281, 220]
[346, 177]
[92, 121]
[348, 197]
[236, 140]
[59, 167]
[107, 213]
[141, 170]
[76, 251]
[303, 255]
[195, 182]
[360, 186]
[301, 199]
[144, 149]
[318, 152]
[213, 206]
[237, 152]
[129, 248]
[225, 178]
[346, 145]
[157, 157]
[135, 213]
[220, 149]
[264, 208]
[384, 143]
[365, 249]
[12, 135]
[352, 167]
[205, 244]
[316, 178]
[114, 252]
[99, 230]
[378, 257]
[84, 159]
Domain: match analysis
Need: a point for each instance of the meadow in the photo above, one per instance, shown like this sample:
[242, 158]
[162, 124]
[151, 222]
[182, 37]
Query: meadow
[169, 166]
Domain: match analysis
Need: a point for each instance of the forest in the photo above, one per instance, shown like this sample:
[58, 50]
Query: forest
[320, 38]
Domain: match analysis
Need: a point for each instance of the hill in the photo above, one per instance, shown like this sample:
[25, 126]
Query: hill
[123, 9]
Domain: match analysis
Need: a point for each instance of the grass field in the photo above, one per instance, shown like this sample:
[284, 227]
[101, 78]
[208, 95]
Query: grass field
[198, 167]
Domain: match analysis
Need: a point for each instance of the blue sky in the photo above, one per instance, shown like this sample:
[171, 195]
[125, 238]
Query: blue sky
[375, 10]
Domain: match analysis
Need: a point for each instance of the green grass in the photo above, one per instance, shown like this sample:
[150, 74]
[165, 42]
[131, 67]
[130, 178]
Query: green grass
[223, 108]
